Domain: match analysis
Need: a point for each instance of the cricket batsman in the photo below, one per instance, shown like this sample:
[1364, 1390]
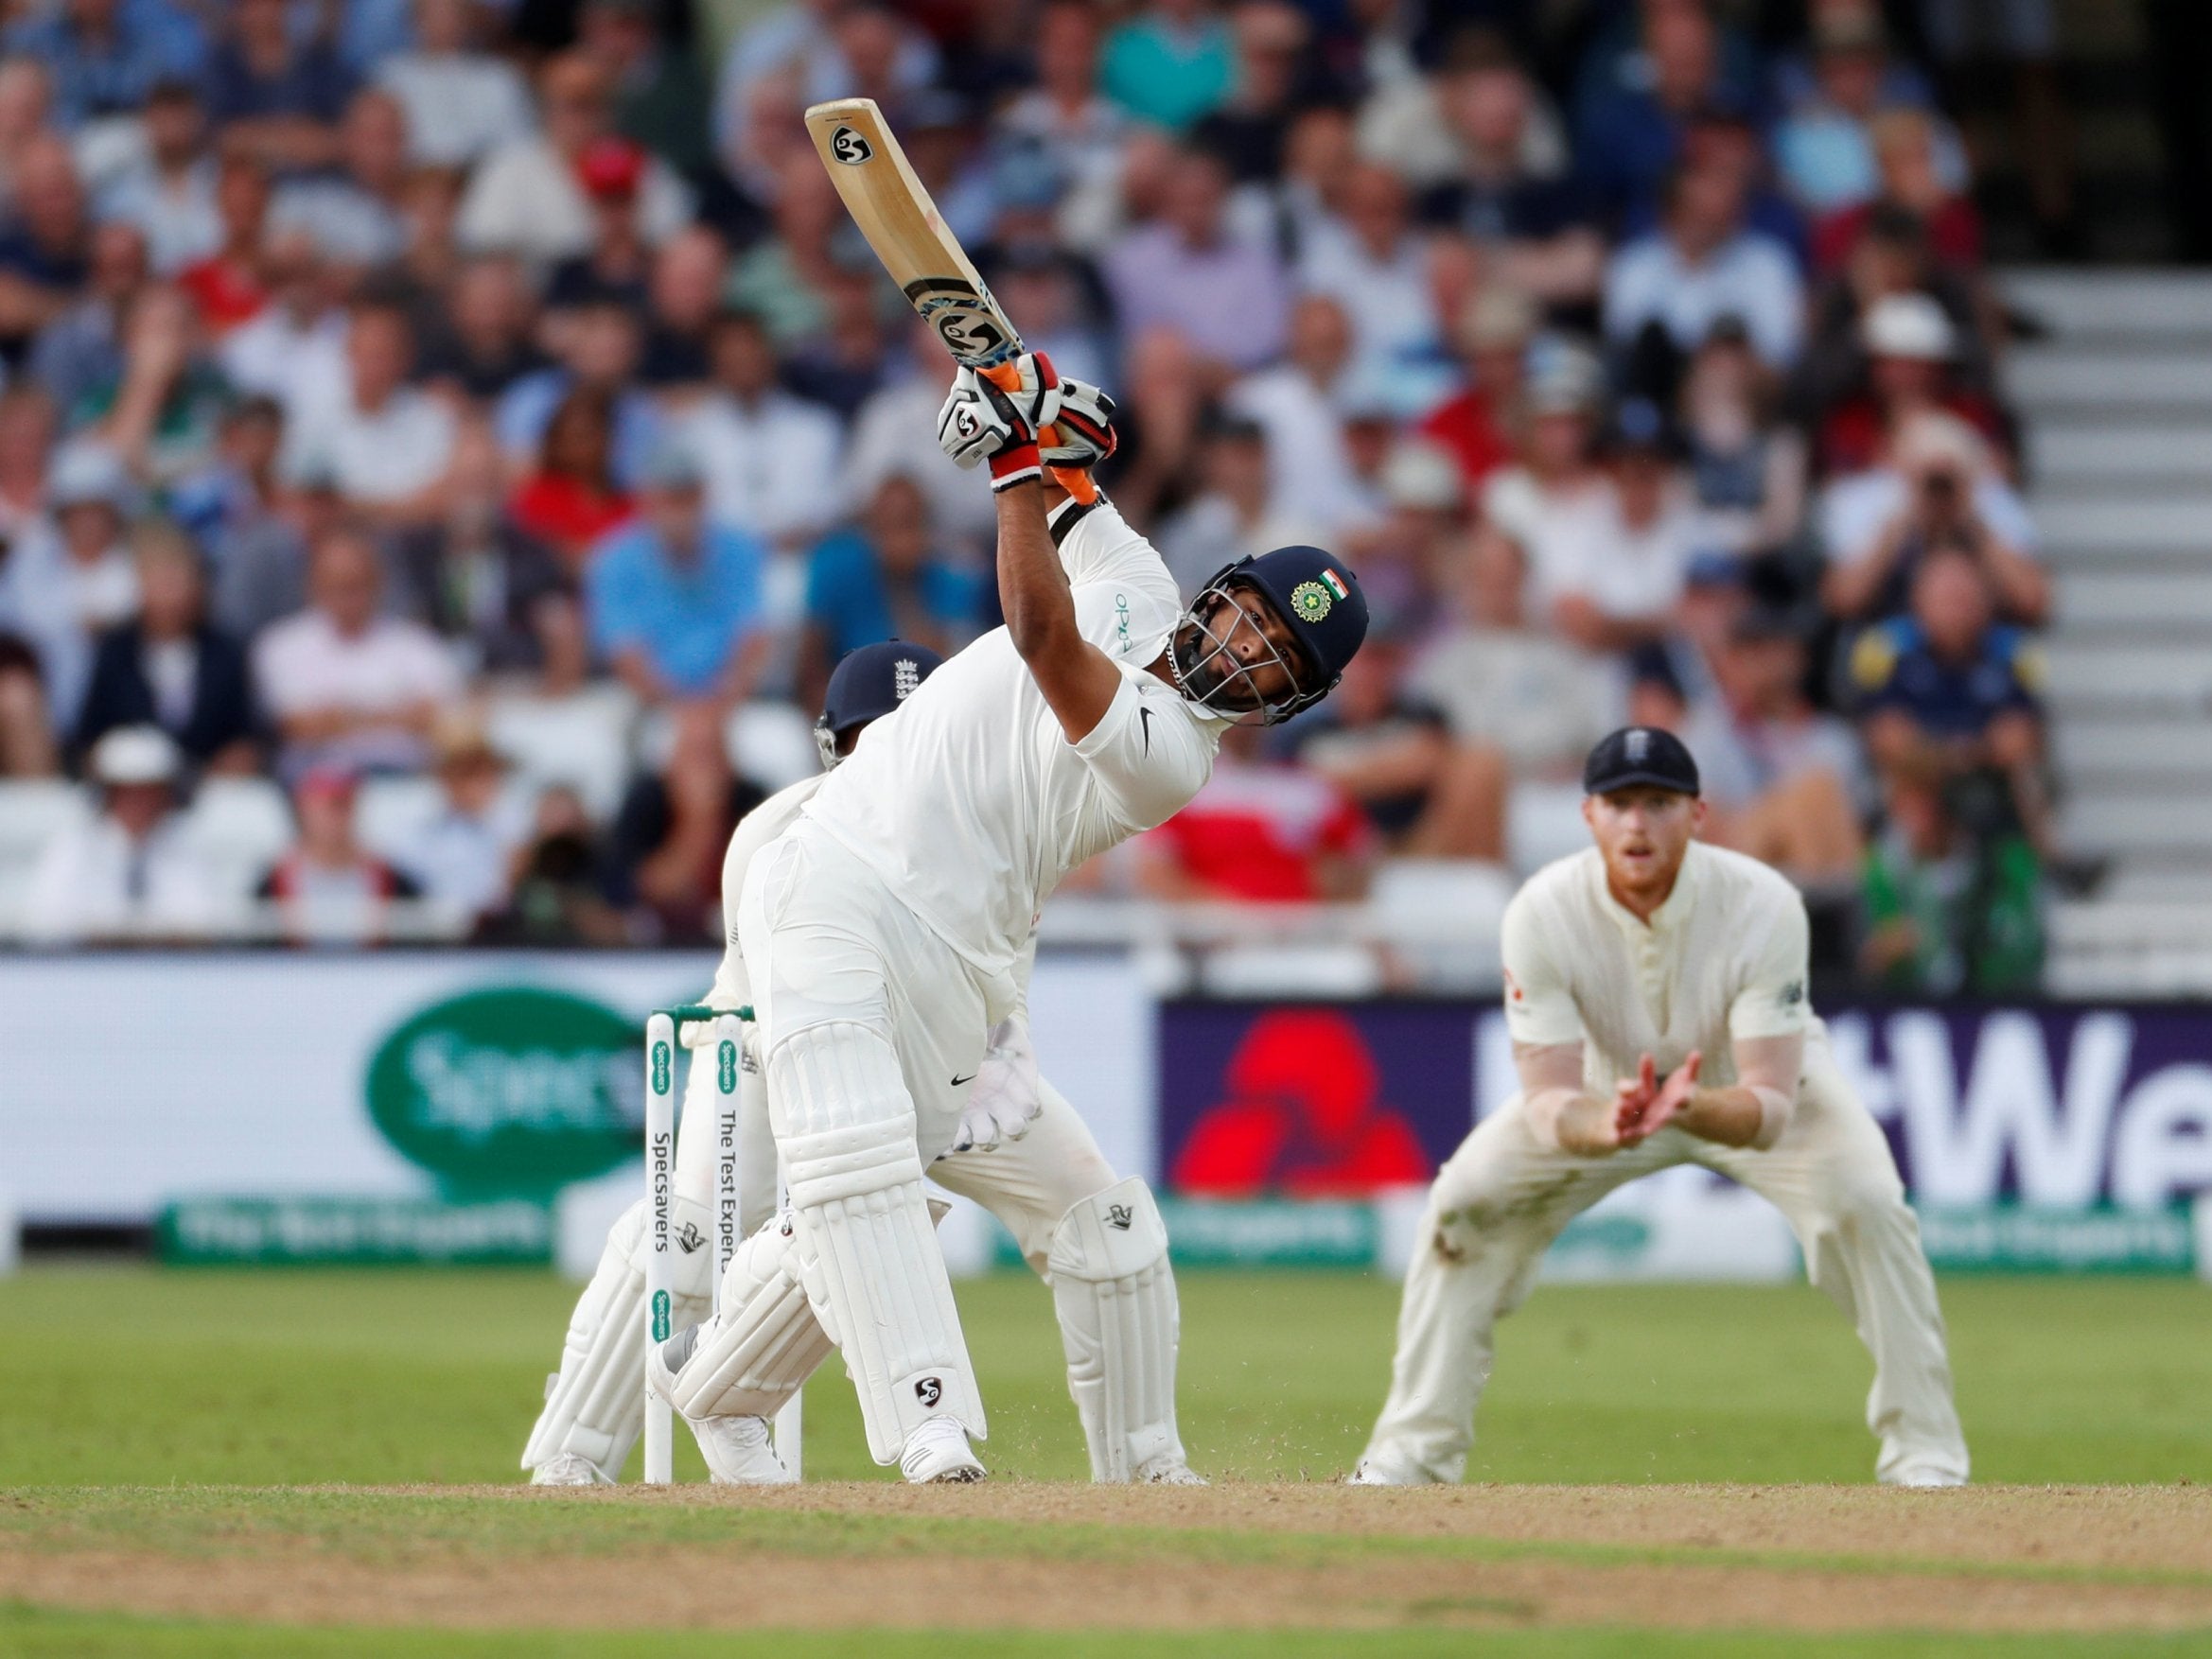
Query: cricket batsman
[885, 929]
[1022, 1152]
[1655, 993]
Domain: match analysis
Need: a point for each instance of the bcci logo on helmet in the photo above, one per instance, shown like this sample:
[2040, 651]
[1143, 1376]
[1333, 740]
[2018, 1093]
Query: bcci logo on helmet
[1313, 600]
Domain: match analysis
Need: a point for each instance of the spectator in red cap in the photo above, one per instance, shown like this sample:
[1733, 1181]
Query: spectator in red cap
[530, 197]
[662, 97]
[619, 263]
[326, 889]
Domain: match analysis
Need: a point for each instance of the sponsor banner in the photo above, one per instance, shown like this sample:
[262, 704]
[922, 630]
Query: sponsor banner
[1272, 1234]
[1317, 1102]
[2034, 1239]
[135, 1079]
[1208, 1232]
[2035, 1138]
[2063, 1108]
[354, 1233]
[2048, 1106]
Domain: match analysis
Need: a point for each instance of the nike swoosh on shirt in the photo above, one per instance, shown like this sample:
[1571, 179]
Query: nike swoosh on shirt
[969, 1078]
[1145, 716]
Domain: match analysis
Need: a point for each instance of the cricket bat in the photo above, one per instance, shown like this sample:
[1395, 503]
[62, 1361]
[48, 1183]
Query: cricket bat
[894, 212]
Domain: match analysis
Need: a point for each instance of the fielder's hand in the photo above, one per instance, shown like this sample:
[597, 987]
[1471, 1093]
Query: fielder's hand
[982, 421]
[1643, 1105]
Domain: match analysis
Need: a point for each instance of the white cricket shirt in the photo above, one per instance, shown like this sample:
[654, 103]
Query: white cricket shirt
[973, 805]
[733, 986]
[1723, 958]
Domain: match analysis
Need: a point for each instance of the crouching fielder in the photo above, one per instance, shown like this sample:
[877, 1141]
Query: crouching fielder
[1655, 955]
[1022, 1152]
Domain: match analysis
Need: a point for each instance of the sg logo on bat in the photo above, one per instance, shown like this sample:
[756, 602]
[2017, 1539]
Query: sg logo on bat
[966, 317]
[850, 148]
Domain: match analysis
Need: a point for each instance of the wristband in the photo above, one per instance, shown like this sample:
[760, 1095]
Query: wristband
[1775, 1110]
[1016, 464]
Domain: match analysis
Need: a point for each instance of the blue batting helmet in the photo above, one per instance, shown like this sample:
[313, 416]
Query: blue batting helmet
[1318, 598]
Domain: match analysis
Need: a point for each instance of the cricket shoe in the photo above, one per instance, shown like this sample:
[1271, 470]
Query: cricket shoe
[1375, 1471]
[937, 1454]
[1169, 1471]
[1922, 1475]
[568, 1469]
[739, 1452]
[737, 1449]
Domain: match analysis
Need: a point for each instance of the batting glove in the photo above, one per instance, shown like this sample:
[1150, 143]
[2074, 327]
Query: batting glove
[1084, 429]
[980, 421]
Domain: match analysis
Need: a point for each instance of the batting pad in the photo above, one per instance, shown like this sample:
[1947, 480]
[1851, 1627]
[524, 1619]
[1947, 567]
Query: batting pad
[866, 1243]
[763, 1345]
[594, 1406]
[1119, 1325]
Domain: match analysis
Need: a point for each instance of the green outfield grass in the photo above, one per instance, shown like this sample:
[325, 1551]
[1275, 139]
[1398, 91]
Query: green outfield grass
[126, 1394]
[131, 1376]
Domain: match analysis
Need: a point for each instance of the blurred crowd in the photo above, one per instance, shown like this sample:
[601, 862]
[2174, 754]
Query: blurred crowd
[479, 421]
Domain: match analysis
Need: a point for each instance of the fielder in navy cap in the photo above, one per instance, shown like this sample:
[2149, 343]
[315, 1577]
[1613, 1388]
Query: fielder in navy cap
[1639, 754]
[1656, 996]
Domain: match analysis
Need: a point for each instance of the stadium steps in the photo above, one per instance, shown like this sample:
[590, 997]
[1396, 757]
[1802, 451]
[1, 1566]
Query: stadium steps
[2117, 403]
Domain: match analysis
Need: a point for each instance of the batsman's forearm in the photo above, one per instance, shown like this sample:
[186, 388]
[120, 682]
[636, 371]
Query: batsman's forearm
[1729, 1117]
[1034, 593]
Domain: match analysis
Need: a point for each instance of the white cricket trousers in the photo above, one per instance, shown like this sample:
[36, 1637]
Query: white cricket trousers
[1504, 1196]
[826, 942]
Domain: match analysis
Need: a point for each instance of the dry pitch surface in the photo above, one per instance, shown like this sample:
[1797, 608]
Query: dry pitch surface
[1051, 1558]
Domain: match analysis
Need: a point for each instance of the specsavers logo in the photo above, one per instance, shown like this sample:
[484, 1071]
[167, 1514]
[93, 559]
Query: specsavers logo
[514, 1090]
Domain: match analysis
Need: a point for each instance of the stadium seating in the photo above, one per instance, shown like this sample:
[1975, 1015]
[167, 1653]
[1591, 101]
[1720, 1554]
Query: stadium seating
[2119, 403]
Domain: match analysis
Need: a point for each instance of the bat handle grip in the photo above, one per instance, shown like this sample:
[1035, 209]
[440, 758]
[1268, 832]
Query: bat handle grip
[1074, 479]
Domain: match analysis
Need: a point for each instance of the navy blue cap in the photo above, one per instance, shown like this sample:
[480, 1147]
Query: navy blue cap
[1316, 593]
[1639, 754]
[871, 682]
[874, 680]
